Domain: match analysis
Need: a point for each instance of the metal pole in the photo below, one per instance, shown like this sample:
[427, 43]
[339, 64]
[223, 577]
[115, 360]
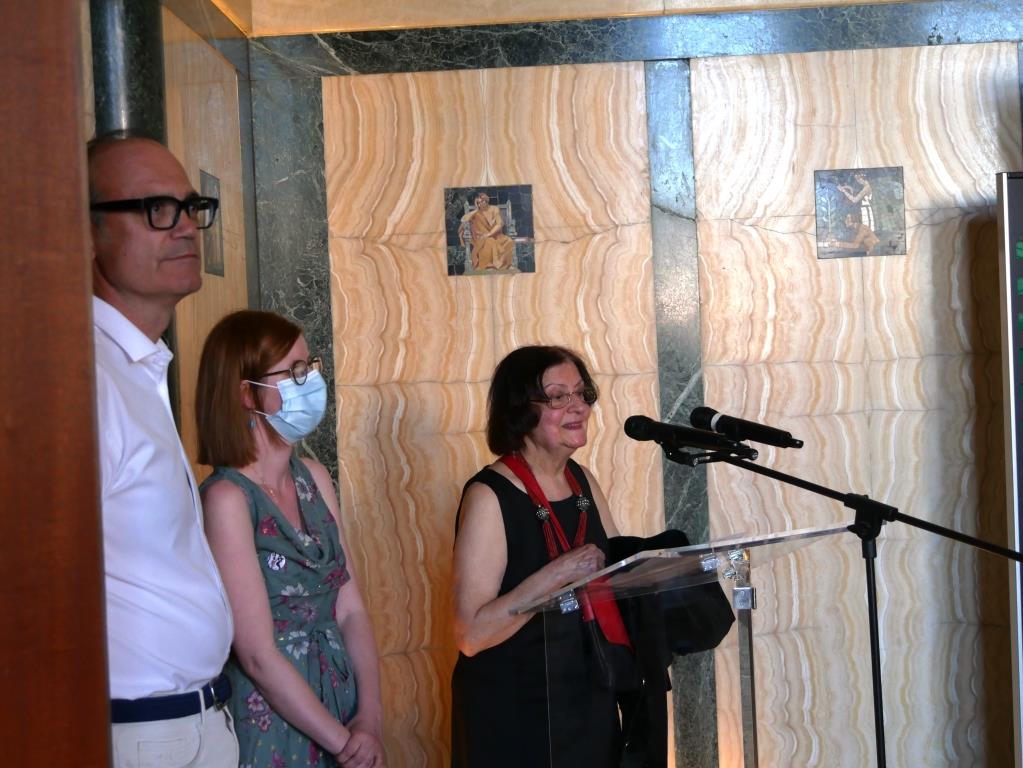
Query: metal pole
[869, 547]
[744, 599]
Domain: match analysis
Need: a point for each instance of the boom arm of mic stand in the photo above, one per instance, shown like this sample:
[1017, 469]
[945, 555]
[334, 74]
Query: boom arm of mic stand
[870, 517]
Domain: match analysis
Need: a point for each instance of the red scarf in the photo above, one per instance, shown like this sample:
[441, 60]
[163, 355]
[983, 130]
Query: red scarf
[604, 608]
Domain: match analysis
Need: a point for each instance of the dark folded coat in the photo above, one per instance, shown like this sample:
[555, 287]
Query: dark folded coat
[661, 626]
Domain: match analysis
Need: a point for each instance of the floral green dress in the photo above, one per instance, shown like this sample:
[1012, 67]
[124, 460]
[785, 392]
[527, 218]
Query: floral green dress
[303, 571]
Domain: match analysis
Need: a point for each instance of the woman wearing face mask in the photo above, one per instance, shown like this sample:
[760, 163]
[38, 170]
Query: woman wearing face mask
[304, 667]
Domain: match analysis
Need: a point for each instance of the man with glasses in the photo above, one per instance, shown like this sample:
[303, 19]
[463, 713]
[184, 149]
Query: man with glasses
[168, 622]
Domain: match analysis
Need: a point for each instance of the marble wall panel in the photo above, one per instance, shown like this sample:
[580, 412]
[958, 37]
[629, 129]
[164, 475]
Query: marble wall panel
[903, 117]
[791, 390]
[940, 298]
[628, 471]
[592, 280]
[582, 142]
[399, 317]
[386, 175]
[835, 455]
[766, 168]
[401, 523]
[579, 167]
[770, 299]
[887, 367]
[203, 131]
[414, 348]
[954, 383]
[943, 719]
[416, 676]
[923, 463]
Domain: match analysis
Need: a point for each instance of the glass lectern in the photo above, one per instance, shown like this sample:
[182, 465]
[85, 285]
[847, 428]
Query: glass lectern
[648, 587]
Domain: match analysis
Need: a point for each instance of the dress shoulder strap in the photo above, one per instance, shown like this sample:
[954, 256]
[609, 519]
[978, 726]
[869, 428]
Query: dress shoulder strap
[246, 486]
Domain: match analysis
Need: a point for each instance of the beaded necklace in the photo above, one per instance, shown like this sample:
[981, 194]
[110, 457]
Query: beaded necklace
[604, 609]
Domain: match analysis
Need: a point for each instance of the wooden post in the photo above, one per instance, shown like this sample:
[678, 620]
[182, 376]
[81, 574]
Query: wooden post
[53, 661]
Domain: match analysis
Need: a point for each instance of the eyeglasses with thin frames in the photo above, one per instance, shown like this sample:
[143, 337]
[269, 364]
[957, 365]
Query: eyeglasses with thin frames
[562, 399]
[163, 211]
[299, 370]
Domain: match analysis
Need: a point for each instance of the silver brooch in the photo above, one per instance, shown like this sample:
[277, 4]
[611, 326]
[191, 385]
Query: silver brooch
[582, 503]
[541, 513]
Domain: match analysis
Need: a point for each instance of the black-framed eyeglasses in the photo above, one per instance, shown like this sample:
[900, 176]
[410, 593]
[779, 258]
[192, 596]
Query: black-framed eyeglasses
[163, 211]
[561, 400]
[299, 371]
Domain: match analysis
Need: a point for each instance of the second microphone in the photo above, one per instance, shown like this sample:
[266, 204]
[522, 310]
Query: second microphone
[739, 429]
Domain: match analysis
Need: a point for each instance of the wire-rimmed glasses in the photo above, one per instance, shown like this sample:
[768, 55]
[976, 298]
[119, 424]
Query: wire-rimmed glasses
[561, 400]
[299, 370]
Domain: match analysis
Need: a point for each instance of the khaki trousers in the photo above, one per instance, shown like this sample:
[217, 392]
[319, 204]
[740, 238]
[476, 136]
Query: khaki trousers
[204, 740]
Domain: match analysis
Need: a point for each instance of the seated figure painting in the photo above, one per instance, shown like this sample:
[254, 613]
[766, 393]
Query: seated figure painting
[489, 230]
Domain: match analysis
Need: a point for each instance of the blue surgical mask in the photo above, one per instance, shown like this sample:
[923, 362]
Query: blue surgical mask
[302, 406]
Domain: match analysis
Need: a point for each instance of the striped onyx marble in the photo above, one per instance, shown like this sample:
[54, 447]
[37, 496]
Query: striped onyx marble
[887, 367]
[414, 348]
[202, 131]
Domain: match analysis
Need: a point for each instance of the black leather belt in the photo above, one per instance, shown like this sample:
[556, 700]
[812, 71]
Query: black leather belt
[214, 694]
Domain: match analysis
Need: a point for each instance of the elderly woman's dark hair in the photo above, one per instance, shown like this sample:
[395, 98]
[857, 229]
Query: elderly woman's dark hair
[512, 411]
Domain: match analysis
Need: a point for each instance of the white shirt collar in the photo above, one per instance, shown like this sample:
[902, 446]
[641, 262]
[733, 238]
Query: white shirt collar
[136, 345]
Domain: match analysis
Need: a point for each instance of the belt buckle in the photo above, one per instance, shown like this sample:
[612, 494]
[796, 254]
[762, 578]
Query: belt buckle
[218, 703]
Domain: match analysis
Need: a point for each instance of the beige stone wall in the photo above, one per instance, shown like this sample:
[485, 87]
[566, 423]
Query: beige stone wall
[887, 366]
[203, 132]
[415, 348]
[88, 97]
[293, 17]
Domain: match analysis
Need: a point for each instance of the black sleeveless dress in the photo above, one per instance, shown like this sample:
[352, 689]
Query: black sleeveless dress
[504, 697]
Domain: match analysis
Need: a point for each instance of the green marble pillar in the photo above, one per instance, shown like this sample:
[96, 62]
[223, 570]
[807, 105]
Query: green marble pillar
[127, 67]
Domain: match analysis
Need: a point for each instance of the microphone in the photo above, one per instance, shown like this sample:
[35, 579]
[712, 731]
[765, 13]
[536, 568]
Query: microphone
[673, 436]
[738, 429]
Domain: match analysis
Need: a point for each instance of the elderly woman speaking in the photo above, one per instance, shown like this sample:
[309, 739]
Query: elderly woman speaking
[529, 523]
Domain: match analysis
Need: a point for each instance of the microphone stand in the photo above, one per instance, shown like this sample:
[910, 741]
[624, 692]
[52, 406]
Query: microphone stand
[870, 517]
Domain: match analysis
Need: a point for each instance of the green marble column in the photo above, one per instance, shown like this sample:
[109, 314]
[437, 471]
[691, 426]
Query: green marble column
[127, 67]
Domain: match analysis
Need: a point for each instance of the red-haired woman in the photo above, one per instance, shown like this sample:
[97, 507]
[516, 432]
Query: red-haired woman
[304, 667]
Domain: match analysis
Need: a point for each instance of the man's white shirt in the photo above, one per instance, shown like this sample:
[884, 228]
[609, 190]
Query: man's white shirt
[169, 625]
